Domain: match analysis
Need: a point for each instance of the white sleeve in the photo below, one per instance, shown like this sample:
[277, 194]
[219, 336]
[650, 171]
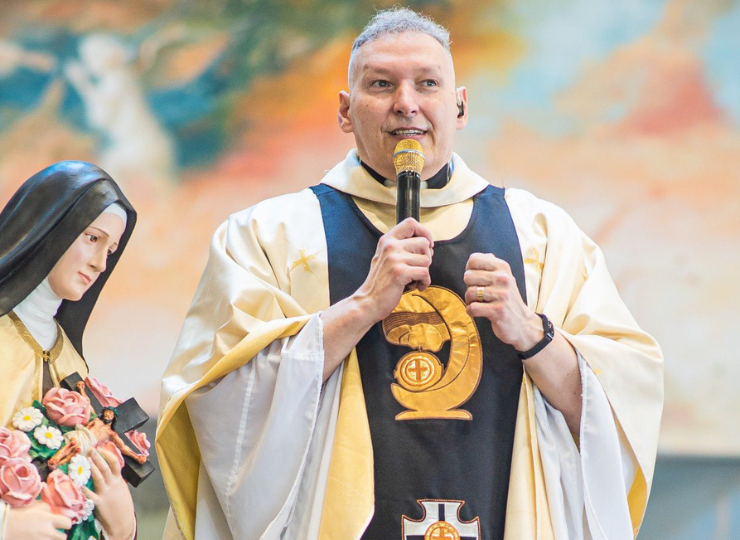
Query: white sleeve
[254, 428]
[4, 514]
[587, 490]
[106, 536]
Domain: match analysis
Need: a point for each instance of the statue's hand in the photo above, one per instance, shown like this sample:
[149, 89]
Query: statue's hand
[36, 522]
[114, 506]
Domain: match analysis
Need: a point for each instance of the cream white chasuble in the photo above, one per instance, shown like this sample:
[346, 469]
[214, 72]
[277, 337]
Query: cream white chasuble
[253, 446]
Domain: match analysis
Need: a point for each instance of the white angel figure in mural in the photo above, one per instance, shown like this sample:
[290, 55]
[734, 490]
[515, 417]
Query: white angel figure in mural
[138, 151]
[13, 57]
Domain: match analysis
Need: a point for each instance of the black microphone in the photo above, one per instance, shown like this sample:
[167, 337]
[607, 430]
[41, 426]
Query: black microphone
[408, 160]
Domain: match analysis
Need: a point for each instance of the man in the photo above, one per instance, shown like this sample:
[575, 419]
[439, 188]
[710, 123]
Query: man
[472, 376]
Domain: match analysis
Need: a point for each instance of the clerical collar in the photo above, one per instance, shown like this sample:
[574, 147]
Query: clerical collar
[437, 181]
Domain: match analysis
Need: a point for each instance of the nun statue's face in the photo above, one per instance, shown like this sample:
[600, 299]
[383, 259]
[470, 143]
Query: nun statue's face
[82, 263]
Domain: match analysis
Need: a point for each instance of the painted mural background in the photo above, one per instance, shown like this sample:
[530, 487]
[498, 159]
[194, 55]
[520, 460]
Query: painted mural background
[627, 114]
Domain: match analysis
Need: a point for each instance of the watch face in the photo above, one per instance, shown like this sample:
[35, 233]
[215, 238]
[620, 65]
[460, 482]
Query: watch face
[547, 327]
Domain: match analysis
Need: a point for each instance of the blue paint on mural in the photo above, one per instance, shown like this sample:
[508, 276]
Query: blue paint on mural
[563, 38]
[722, 62]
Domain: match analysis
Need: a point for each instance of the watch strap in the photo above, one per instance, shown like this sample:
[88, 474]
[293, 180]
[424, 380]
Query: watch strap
[548, 337]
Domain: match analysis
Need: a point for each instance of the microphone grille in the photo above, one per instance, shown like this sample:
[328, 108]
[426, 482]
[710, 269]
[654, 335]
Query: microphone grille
[408, 157]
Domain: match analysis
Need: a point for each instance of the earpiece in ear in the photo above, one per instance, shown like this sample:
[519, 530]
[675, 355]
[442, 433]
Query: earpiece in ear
[460, 105]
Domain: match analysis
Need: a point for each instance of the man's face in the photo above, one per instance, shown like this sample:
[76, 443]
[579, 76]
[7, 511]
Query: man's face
[402, 87]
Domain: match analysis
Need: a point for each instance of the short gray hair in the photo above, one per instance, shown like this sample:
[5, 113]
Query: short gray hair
[396, 21]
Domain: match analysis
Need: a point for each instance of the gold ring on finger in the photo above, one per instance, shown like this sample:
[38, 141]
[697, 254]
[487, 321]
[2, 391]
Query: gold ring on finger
[479, 294]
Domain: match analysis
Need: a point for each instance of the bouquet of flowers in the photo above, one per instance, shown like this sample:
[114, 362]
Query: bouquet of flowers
[45, 456]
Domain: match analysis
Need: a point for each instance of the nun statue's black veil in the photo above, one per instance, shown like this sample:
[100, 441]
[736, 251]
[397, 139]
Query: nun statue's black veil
[42, 219]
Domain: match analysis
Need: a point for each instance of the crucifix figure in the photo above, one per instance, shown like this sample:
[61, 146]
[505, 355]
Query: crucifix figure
[111, 425]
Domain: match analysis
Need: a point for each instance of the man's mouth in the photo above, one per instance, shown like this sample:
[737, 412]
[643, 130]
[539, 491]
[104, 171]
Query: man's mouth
[407, 132]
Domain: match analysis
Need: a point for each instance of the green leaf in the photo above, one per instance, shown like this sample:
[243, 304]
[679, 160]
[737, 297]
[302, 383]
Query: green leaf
[38, 450]
[83, 530]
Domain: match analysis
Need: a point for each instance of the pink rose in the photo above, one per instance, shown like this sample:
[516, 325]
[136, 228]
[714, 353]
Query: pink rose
[140, 441]
[66, 408]
[20, 482]
[102, 393]
[113, 449]
[64, 496]
[14, 444]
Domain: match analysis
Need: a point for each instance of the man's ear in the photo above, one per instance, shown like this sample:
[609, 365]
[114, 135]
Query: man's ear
[345, 123]
[462, 107]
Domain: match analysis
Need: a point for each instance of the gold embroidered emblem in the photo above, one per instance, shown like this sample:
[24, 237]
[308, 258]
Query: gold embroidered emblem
[303, 261]
[442, 531]
[425, 321]
[440, 521]
[418, 371]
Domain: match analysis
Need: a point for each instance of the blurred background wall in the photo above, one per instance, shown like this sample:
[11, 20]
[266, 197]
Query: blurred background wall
[627, 114]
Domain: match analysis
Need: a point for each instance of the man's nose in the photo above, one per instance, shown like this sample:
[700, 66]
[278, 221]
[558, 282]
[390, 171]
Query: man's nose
[405, 102]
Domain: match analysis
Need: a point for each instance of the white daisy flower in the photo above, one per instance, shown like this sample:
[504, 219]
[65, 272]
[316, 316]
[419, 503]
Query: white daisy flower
[79, 470]
[48, 436]
[87, 510]
[27, 419]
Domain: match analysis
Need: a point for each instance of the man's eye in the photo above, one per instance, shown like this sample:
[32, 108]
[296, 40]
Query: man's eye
[429, 82]
[380, 84]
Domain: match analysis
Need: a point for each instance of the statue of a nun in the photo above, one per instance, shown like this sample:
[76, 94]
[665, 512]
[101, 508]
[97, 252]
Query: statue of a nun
[61, 235]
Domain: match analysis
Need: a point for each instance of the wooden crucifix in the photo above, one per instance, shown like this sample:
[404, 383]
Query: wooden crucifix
[129, 416]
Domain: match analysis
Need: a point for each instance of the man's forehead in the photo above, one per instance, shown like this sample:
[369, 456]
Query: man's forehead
[415, 50]
[378, 66]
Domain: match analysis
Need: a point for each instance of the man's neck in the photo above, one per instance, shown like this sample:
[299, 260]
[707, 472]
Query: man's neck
[438, 181]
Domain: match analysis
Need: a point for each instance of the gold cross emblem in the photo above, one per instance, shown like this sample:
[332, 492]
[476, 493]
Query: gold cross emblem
[303, 261]
[418, 370]
[535, 260]
[442, 531]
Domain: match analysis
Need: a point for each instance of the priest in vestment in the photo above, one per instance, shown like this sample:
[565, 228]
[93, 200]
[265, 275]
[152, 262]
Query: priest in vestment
[475, 375]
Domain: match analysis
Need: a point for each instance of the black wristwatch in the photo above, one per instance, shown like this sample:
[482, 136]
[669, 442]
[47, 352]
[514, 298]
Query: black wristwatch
[549, 335]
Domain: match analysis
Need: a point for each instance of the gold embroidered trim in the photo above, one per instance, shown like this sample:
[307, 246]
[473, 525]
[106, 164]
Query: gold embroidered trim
[42, 355]
[53, 353]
